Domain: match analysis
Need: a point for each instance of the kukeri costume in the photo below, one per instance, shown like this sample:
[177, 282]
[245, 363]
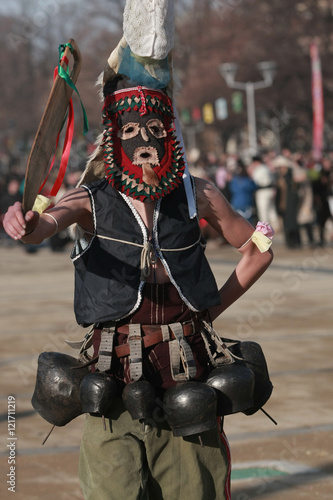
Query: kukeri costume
[159, 372]
[148, 336]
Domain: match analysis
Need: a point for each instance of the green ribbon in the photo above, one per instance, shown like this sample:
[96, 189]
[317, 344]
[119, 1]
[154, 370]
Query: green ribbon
[65, 75]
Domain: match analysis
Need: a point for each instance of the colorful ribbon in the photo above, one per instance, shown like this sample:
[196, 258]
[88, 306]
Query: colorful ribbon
[59, 70]
[65, 75]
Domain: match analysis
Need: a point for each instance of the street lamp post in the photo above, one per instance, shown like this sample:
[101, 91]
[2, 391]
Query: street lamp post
[267, 69]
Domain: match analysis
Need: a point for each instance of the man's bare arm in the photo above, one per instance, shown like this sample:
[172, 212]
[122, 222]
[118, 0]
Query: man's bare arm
[33, 228]
[215, 209]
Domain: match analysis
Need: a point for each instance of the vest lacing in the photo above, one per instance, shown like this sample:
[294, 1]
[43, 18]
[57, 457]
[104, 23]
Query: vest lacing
[148, 256]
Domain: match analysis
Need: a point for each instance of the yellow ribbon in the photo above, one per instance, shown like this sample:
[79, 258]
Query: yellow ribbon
[261, 241]
[41, 203]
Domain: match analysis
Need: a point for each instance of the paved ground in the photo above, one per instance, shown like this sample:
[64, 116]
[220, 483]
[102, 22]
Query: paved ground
[289, 313]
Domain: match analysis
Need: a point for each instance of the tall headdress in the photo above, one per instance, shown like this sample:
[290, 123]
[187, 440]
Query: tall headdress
[141, 151]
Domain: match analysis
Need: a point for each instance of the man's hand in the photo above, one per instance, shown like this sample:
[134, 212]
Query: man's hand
[16, 224]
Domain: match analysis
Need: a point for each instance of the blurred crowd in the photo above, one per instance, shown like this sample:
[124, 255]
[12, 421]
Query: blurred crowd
[14, 156]
[11, 191]
[291, 191]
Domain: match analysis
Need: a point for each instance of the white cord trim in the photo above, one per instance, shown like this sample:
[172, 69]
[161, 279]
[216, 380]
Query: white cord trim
[137, 304]
[93, 213]
[138, 219]
[162, 259]
[145, 246]
[147, 254]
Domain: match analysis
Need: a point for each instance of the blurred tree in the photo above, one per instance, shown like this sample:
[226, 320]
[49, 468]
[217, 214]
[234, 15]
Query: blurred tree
[31, 37]
[209, 32]
[248, 32]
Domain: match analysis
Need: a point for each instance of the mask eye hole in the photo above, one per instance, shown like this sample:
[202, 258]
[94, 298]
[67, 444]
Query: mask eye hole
[129, 131]
[156, 128]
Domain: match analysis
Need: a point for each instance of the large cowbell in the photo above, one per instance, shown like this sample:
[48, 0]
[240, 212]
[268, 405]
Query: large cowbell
[254, 358]
[190, 408]
[97, 393]
[56, 395]
[139, 398]
[234, 386]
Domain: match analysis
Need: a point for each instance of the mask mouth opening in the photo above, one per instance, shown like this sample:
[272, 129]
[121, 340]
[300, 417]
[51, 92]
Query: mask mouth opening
[147, 155]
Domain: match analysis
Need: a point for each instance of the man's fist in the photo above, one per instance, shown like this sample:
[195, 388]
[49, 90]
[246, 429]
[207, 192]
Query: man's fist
[16, 224]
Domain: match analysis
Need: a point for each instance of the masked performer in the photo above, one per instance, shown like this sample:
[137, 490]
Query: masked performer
[142, 280]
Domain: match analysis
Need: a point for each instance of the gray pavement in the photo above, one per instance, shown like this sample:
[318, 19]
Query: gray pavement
[289, 312]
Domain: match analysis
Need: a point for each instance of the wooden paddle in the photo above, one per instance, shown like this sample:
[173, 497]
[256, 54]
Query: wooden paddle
[49, 127]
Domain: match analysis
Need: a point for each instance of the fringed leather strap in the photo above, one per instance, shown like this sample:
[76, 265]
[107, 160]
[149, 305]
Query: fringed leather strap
[180, 352]
[105, 349]
[135, 356]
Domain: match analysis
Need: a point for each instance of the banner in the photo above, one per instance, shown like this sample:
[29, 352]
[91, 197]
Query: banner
[237, 102]
[221, 108]
[185, 116]
[317, 103]
[208, 113]
[196, 114]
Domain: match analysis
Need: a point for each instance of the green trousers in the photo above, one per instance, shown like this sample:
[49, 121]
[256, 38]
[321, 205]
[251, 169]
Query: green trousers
[133, 462]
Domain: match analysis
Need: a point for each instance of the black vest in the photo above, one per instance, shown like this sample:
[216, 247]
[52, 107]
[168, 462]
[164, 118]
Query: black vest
[107, 272]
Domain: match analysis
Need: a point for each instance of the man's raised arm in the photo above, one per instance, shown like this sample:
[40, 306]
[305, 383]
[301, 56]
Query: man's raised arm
[33, 228]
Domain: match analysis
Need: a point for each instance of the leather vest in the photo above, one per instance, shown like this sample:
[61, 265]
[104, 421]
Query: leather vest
[108, 285]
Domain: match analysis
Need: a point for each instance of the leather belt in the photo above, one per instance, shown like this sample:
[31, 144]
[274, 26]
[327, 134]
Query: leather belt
[153, 334]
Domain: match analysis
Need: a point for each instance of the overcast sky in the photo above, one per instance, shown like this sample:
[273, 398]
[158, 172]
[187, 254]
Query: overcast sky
[9, 7]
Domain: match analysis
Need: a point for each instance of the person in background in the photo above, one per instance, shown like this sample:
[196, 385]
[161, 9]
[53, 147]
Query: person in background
[222, 177]
[305, 210]
[265, 193]
[287, 200]
[242, 193]
[10, 195]
[322, 189]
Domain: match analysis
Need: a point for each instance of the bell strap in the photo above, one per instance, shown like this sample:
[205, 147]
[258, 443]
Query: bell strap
[180, 352]
[135, 355]
[165, 333]
[218, 352]
[83, 345]
[105, 349]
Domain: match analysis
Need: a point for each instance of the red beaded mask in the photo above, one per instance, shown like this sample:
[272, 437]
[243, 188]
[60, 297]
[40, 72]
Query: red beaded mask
[141, 155]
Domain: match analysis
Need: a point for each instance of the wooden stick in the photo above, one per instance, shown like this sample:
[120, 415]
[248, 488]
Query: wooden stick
[49, 127]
